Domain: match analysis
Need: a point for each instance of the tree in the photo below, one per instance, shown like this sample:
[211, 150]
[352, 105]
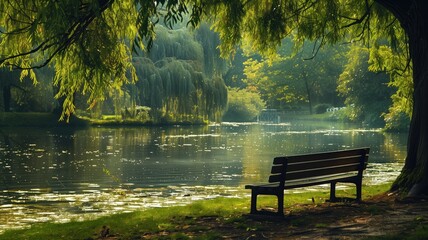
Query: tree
[402, 23]
[297, 78]
[90, 42]
[175, 77]
[243, 105]
[367, 95]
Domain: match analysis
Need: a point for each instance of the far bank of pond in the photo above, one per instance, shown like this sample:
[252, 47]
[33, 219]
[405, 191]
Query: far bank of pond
[62, 174]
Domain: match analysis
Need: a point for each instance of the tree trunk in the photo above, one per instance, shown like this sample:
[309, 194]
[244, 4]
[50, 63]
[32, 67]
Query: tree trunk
[308, 92]
[414, 176]
[7, 97]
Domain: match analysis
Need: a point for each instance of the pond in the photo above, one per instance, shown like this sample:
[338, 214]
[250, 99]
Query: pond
[61, 175]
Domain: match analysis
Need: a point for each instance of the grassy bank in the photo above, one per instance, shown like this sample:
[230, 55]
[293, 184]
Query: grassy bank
[177, 222]
[37, 119]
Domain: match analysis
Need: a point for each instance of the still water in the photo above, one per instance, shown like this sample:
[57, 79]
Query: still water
[60, 175]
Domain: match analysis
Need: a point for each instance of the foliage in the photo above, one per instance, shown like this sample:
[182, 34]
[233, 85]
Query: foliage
[385, 59]
[243, 105]
[176, 43]
[366, 93]
[91, 43]
[75, 38]
[321, 108]
[88, 43]
[140, 113]
[234, 75]
[214, 65]
[263, 27]
[289, 80]
[396, 121]
[22, 95]
[103, 76]
[172, 78]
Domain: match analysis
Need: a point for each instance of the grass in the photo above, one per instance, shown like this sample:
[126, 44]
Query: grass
[153, 221]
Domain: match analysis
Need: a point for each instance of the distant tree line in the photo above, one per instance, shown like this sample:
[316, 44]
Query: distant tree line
[312, 79]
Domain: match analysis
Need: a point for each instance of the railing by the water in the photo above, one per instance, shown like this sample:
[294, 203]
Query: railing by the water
[269, 116]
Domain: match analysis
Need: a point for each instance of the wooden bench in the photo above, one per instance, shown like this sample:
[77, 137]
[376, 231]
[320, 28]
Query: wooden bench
[345, 166]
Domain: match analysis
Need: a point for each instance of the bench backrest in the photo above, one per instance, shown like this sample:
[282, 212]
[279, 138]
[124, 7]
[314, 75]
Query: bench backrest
[318, 164]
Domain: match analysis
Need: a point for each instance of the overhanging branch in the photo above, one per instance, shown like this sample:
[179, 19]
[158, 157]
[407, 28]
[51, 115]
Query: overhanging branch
[356, 21]
[59, 42]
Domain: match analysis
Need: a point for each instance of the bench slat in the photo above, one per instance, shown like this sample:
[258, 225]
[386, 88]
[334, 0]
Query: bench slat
[320, 172]
[277, 169]
[320, 156]
[318, 180]
[276, 178]
[323, 164]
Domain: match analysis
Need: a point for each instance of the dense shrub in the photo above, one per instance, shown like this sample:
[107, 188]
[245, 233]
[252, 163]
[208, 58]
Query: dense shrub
[321, 108]
[243, 105]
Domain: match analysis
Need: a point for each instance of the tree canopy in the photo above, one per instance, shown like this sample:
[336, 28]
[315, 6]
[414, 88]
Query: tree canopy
[90, 43]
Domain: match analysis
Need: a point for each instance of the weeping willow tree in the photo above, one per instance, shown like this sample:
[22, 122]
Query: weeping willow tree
[210, 40]
[172, 79]
[84, 41]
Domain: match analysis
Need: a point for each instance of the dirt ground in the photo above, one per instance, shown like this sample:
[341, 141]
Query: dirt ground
[380, 216]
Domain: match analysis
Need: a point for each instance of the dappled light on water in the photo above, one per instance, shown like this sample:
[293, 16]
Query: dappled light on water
[22, 208]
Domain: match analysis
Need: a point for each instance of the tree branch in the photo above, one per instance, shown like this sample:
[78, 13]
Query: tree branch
[358, 20]
[61, 40]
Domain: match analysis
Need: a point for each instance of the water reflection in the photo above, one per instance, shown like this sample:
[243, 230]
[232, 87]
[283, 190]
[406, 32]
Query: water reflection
[57, 175]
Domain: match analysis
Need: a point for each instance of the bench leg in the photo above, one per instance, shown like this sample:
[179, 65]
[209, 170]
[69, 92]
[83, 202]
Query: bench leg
[253, 201]
[280, 197]
[359, 186]
[332, 191]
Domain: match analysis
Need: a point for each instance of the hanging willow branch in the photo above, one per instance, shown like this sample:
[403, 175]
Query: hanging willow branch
[59, 42]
